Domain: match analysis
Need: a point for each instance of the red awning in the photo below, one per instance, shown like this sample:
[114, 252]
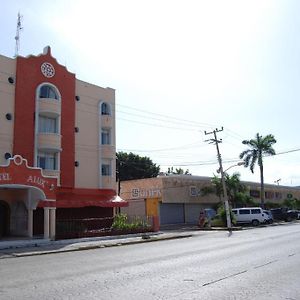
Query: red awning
[68, 198]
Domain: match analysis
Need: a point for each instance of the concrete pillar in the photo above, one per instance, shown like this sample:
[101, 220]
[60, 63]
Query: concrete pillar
[46, 223]
[52, 223]
[30, 223]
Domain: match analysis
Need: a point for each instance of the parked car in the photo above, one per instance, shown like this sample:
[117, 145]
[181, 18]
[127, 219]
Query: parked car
[268, 217]
[249, 215]
[284, 214]
[295, 212]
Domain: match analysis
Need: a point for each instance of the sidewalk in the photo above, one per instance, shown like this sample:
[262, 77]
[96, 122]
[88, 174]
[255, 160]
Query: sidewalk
[21, 248]
[30, 247]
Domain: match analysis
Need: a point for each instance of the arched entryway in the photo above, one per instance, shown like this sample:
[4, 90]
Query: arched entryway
[4, 219]
[18, 218]
[23, 190]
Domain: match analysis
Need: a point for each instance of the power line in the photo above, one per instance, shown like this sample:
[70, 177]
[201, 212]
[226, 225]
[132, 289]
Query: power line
[288, 151]
[192, 145]
[169, 117]
[159, 119]
[157, 125]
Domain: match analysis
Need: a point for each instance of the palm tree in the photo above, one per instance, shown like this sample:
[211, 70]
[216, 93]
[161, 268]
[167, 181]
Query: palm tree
[259, 147]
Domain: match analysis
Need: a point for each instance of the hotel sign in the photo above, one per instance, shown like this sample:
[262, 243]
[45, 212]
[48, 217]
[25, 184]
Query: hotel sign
[17, 172]
[5, 177]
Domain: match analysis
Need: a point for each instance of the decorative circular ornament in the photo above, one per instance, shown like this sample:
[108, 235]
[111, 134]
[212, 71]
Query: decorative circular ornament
[47, 70]
[18, 160]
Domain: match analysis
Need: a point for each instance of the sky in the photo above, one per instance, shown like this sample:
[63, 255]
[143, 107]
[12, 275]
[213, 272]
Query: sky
[180, 68]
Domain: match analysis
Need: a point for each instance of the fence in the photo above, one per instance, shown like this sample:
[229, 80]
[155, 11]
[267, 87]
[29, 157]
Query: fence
[93, 227]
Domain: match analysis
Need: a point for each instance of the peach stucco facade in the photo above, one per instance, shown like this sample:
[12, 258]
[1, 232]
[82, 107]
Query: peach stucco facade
[89, 150]
[7, 103]
[62, 129]
[179, 198]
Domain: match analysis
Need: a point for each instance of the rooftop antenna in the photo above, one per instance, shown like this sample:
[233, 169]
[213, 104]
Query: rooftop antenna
[17, 37]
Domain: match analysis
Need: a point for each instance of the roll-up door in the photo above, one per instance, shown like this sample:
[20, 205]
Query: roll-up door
[171, 213]
[192, 212]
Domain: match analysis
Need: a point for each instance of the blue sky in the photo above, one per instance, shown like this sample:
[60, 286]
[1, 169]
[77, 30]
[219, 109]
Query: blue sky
[180, 68]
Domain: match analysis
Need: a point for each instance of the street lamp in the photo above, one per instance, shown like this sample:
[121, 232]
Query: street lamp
[277, 181]
[240, 163]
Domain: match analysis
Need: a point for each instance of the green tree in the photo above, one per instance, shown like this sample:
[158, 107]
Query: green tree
[178, 171]
[132, 166]
[293, 203]
[259, 146]
[235, 189]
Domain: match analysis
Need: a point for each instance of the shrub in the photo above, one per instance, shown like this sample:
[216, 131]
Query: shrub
[220, 219]
[121, 222]
[217, 222]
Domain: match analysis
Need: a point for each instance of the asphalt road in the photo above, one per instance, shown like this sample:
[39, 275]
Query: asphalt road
[261, 263]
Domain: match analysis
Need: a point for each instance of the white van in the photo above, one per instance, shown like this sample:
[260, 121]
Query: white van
[247, 215]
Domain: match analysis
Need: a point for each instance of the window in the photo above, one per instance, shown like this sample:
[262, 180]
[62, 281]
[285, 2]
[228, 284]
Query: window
[47, 160]
[47, 91]
[193, 191]
[244, 211]
[255, 211]
[269, 195]
[105, 109]
[234, 211]
[254, 193]
[47, 125]
[105, 136]
[105, 170]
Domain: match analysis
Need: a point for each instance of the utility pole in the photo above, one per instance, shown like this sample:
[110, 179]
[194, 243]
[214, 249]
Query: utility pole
[225, 197]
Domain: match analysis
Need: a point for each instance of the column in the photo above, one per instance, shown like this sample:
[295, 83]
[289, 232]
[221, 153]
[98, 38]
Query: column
[29, 214]
[46, 223]
[30, 223]
[52, 223]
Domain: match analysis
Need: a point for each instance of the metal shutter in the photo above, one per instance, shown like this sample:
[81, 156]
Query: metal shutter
[171, 213]
[192, 212]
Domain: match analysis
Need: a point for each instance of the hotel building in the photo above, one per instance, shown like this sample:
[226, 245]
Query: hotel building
[57, 147]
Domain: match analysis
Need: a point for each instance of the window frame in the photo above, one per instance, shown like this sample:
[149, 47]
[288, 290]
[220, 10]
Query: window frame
[106, 167]
[255, 211]
[46, 155]
[43, 125]
[244, 212]
[105, 109]
[48, 91]
[105, 136]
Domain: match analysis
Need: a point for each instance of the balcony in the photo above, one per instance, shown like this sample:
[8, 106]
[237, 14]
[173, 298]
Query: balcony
[49, 141]
[106, 121]
[108, 182]
[52, 106]
[107, 151]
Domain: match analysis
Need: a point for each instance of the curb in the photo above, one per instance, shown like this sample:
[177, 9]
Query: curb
[97, 246]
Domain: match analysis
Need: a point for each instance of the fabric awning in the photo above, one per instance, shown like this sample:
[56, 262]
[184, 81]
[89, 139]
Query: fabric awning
[68, 198]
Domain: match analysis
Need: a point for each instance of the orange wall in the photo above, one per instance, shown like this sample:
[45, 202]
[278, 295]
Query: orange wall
[28, 78]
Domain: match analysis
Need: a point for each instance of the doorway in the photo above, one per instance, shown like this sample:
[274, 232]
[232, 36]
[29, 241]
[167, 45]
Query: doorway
[4, 219]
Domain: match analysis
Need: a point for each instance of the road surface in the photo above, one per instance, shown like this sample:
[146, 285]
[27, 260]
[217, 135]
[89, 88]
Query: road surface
[260, 263]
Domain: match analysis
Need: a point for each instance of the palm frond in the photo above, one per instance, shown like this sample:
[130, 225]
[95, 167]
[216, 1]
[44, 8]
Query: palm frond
[253, 160]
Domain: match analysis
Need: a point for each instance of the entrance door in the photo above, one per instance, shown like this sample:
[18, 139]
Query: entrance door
[4, 219]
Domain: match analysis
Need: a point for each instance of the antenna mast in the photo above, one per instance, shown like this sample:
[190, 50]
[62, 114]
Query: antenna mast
[17, 37]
